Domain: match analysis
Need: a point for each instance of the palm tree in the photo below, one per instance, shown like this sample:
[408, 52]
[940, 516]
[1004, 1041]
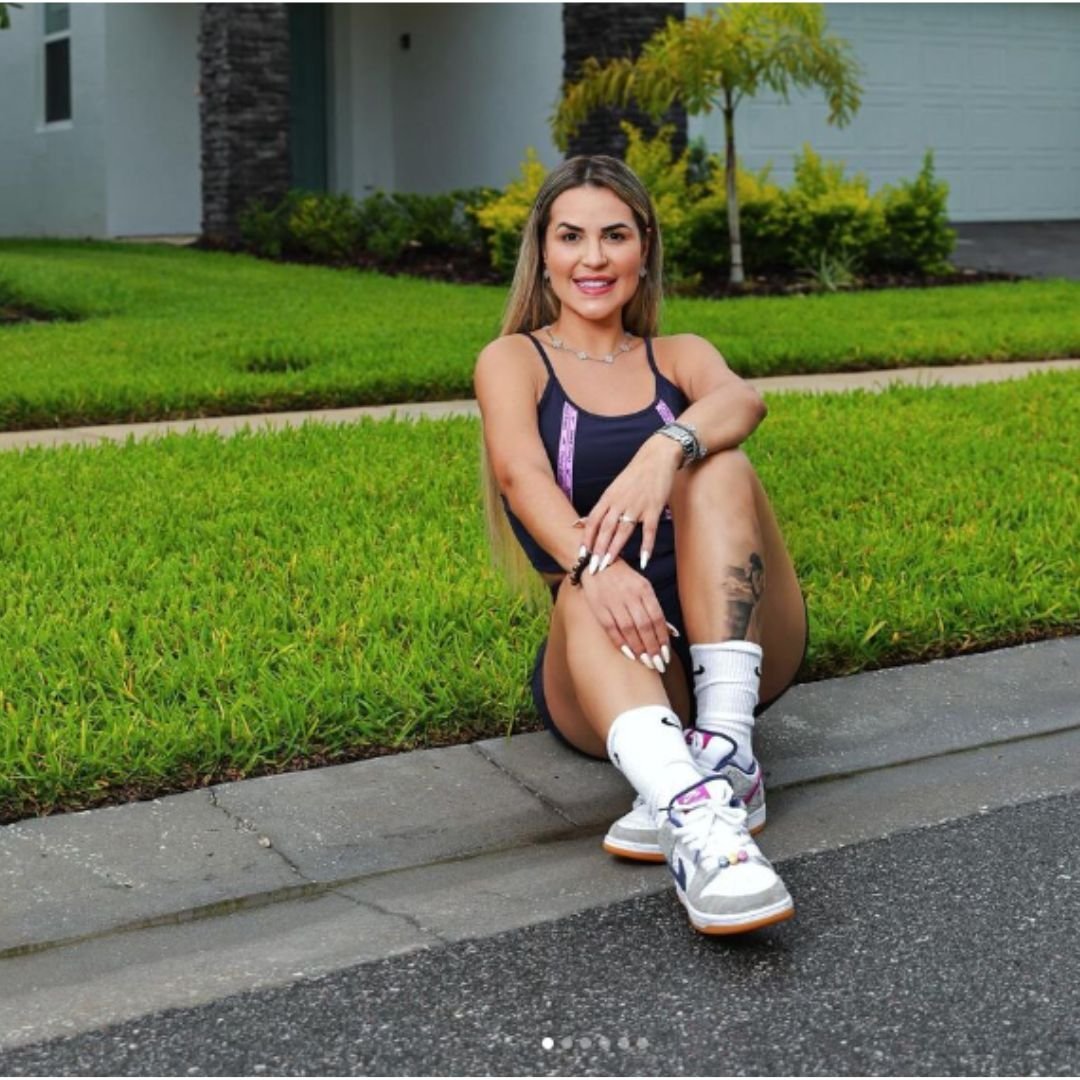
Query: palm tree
[714, 60]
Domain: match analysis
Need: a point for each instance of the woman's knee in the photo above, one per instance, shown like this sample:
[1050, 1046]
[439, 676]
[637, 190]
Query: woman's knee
[724, 479]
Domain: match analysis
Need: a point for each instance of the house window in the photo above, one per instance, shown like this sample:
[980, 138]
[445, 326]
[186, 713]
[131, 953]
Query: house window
[57, 63]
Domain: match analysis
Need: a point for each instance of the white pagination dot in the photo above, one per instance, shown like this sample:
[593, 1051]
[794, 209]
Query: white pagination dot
[548, 1043]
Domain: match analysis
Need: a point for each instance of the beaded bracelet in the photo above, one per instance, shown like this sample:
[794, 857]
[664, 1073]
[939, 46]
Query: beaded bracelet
[579, 568]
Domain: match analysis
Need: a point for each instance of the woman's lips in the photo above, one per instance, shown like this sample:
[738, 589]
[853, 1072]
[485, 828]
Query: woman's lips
[594, 287]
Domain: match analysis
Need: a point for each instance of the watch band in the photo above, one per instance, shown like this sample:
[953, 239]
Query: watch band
[685, 437]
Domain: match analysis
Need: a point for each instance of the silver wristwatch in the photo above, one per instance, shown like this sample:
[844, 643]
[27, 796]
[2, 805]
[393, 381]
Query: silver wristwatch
[686, 436]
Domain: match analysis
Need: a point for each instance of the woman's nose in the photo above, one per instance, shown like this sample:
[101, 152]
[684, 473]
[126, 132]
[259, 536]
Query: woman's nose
[594, 252]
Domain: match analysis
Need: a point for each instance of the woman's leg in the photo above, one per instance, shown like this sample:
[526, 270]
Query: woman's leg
[587, 681]
[736, 578]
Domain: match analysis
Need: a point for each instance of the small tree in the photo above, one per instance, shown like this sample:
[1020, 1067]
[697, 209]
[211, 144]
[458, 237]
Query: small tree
[714, 60]
[5, 17]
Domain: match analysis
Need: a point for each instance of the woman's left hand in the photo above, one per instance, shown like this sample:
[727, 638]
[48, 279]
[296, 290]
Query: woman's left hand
[638, 495]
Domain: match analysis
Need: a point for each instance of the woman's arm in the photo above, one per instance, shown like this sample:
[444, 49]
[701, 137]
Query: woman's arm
[624, 602]
[724, 410]
[506, 391]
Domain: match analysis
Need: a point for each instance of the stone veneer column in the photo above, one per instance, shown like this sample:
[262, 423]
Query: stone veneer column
[243, 111]
[607, 31]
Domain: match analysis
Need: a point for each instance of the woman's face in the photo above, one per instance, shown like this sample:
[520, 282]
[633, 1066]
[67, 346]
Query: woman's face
[593, 251]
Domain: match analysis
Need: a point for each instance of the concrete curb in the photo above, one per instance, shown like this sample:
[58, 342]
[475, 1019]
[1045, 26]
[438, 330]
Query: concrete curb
[833, 382]
[257, 842]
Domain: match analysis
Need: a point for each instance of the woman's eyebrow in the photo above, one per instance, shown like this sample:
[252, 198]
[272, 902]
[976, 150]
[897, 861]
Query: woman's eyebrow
[604, 228]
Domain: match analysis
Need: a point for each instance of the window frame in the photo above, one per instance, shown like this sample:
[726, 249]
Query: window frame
[48, 38]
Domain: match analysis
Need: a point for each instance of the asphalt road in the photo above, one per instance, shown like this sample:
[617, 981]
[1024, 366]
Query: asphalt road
[949, 950]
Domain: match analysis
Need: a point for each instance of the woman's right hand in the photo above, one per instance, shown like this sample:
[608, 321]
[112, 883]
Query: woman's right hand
[624, 603]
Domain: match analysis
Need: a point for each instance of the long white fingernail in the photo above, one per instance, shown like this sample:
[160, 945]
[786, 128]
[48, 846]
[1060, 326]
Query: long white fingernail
[606, 561]
[665, 652]
[674, 630]
[659, 664]
[645, 558]
[594, 562]
[644, 658]
[582, 551]
[627, 652]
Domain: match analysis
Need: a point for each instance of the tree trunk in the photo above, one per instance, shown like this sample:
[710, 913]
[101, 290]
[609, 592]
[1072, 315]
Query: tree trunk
[732, 193]
[608, 31]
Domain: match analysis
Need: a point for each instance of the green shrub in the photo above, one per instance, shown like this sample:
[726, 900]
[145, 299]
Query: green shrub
[825, 225]
[444, 222]
[264, 229]
[666, 179]
[762, 223]
[504, 216]
[335, 228]
[324, 226]
[385, 226]
[916, 234]
[829, 216]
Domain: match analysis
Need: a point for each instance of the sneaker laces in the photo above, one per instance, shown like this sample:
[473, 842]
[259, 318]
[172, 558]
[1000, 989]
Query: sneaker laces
[702, 830]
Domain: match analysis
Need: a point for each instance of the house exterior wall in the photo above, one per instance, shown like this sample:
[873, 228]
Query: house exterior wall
[52, 177]
[470, 93]
[993, 89]
[152, 119]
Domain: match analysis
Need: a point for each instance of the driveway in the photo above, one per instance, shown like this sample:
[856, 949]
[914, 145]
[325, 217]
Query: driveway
[1042, 249]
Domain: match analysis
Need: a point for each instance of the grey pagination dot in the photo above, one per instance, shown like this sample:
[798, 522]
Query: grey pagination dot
[643, 1044]
[585, 1043]
[566, 1043]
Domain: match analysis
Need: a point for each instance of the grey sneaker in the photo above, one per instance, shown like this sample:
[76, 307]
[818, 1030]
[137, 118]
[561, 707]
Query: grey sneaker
[634, 835]
[726, 885]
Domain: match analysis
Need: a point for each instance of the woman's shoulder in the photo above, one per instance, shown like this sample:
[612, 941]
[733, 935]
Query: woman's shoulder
[678, 346]
[679, 356]
[516, 344]
[510, 359]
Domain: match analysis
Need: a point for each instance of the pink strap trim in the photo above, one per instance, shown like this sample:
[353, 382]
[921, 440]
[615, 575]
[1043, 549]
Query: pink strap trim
[566, 449]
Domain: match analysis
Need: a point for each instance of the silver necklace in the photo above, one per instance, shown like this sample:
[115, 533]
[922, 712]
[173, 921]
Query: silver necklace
[608, 358]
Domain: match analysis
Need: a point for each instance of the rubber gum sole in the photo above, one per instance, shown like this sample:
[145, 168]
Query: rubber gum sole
[744, 928]
[635, 856]
[654, 855]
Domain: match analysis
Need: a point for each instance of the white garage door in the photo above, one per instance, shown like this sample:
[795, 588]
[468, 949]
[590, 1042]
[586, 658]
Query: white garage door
[993, 89]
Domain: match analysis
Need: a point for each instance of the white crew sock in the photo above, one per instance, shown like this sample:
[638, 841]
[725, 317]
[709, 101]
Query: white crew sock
[727, 678]
[648, 748]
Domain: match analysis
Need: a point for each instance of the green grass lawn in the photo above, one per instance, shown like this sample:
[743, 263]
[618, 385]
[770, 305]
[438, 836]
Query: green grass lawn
[153, 332]
[190, 609]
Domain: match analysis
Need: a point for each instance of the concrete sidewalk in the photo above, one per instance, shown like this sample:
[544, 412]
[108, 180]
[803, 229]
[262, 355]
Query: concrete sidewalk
[871, 381]
[112, 913]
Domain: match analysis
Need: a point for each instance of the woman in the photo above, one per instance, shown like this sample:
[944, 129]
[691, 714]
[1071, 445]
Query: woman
[616, 457]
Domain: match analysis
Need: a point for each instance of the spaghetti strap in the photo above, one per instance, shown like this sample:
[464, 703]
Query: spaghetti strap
[543, 354]
[652, 359]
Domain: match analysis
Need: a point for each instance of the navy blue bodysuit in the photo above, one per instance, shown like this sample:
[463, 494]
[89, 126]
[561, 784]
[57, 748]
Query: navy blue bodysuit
[587, 452]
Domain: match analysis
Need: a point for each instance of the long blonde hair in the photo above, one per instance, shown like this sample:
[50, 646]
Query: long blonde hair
[532, 304]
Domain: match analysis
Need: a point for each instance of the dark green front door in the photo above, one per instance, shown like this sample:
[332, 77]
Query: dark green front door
[307, 96]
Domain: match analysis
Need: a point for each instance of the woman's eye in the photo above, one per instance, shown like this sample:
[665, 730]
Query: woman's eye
[610, 236]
